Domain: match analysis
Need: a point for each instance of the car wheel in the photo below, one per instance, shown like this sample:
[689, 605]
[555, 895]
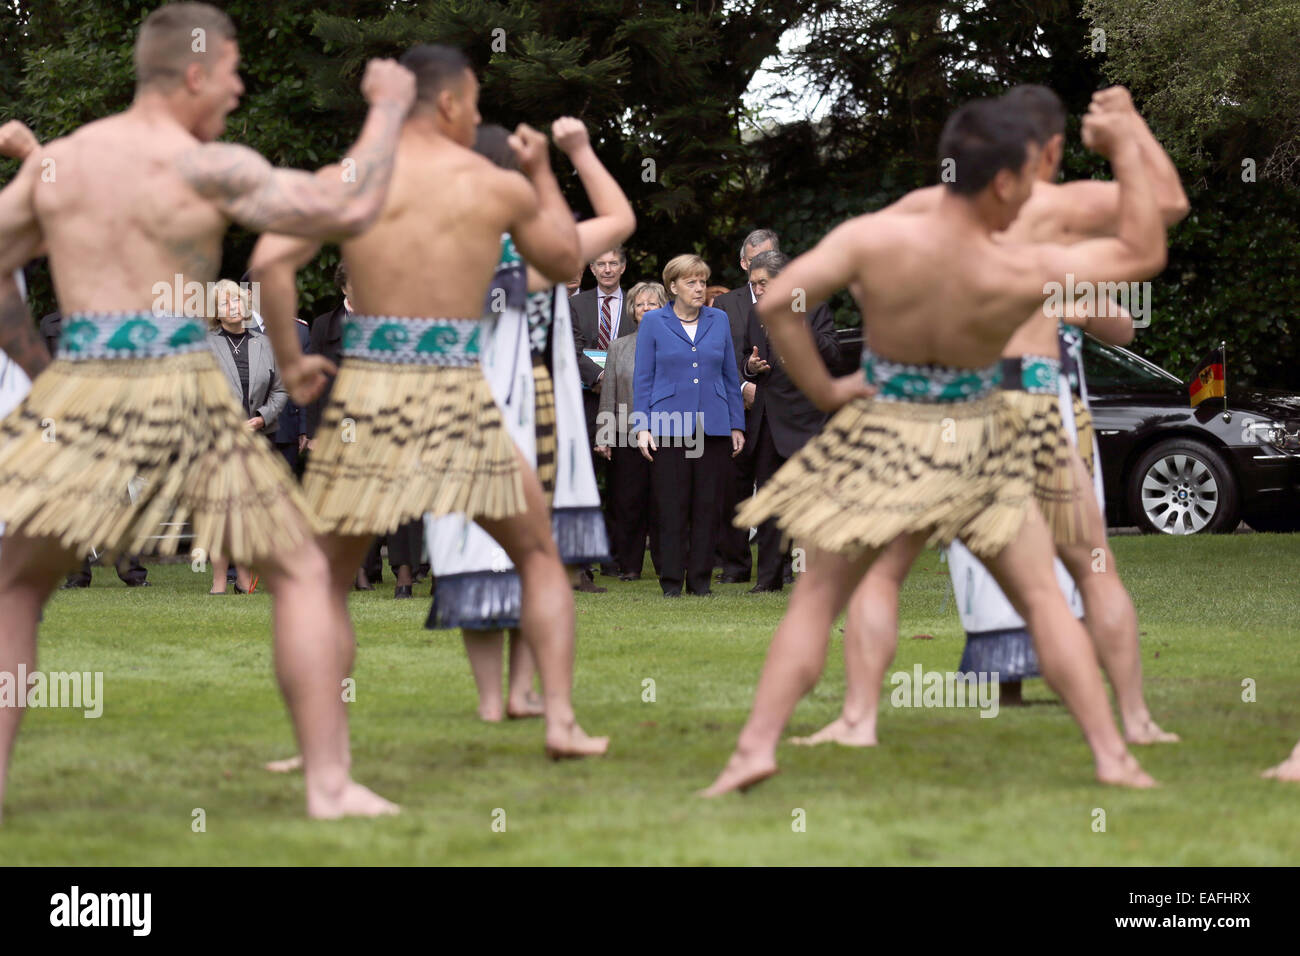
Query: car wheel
[1181, 486]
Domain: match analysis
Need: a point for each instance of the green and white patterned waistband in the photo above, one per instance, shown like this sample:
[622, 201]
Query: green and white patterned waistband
[412, 341]
[898, 382]
[129, 335]
[1035, 374]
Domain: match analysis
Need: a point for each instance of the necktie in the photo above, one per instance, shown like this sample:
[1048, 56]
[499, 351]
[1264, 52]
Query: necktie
[602, 339]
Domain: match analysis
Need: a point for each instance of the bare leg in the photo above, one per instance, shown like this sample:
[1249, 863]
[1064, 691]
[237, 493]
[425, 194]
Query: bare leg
[794, 663]
[313, 652]
[523, 700]
[1024, 571]
[1288, 769]
[547, 617]
[483, 648]
[870, 642]
[219, 568]
[30, 570]
[1110, 617]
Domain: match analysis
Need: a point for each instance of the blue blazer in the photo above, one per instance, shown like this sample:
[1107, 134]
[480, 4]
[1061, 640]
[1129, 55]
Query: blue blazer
[676, 378]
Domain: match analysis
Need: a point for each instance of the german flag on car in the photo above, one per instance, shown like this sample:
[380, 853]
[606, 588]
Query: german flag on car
[1207, 378]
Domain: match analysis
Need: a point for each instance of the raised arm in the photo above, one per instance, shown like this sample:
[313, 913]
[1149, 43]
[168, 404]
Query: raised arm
[542, 225]
[20, 240]
[813, 277]
[1137, 251]
[247, 189]
[614, 220]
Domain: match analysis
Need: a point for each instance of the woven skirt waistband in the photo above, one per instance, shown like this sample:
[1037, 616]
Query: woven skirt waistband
[129, 335]
[1036, 374]
[900, 382]
[402, 341]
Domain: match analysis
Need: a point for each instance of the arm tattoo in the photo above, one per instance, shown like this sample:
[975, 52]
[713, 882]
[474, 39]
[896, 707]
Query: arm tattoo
[18, 335]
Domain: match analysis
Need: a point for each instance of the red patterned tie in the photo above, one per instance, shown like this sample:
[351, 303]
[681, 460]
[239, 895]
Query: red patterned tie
[602, 339]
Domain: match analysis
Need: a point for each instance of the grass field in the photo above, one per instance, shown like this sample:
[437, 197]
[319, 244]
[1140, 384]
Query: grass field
[191, 711]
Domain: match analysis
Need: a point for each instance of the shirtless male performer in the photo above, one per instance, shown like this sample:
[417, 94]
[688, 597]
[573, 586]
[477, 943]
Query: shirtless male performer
[128, 203]
[938, 455]
[1064, 214]
[411, 426]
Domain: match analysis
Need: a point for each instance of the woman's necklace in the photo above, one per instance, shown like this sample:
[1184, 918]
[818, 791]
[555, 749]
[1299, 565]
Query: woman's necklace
[231, 339]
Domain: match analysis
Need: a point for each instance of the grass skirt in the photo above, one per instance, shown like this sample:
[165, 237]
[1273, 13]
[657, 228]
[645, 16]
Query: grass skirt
[397, 441]
[880, 469]
[1083, 427]
[88, 427]
[1052, 453]
[544, 425]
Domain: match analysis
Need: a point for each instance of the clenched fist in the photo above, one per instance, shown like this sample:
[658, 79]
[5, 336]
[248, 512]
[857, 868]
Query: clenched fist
[530, 149]
[570, 134]
[17, 141]
[387, 81]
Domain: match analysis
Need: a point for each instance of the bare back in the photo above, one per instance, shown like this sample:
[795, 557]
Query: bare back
[437, 242]
[938, 293]
[118, 217]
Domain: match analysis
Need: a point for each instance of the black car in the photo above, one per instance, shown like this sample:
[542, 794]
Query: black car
[1173, 468]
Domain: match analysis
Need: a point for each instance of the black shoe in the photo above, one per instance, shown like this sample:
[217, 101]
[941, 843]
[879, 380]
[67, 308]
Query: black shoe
[609, 571]
[629, 576]
[672, 594]
[402, 591]
[137, 584]
[238, 589]
[69, 585]
[699, 593]
[588, 586]
[762, 589]
[726, 578]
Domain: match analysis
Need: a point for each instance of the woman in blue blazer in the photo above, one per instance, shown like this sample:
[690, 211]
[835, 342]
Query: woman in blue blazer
[689, 417]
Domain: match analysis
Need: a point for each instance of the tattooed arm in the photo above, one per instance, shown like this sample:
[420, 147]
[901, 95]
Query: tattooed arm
[20, 241]
[245, 187]
[274, 266]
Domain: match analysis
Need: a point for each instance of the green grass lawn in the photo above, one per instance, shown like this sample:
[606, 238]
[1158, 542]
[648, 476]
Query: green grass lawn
[191, 711]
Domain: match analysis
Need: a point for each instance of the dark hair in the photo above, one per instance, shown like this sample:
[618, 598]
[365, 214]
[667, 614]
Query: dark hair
[436, 68]
[1042, 107]
[771, 262]
[340, 275]
[983, 138]
[618, 250]
[492, 142]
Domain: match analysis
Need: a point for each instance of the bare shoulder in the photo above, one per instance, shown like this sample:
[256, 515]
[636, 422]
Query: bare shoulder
[222, 170]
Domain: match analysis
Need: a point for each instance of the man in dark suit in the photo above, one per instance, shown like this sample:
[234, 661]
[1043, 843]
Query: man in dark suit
[599, 317]
[733, 544]
[291, 430]
[779, 419]
[132, 573]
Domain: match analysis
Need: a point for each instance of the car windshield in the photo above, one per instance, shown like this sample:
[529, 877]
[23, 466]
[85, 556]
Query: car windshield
[1105, 365]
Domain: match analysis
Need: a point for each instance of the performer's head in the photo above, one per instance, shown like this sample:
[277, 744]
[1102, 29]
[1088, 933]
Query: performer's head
[446, 90]
[186, 53]
[1046, 113]
[493, 142]
[988, 156]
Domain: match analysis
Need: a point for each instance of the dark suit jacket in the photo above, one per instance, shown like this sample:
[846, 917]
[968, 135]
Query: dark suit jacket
[326, 338]
[737, 304]
[585, 310]
[51, 329]
[293, 420]
[792, 418]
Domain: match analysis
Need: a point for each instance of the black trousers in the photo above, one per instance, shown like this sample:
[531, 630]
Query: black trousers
[687, 495]
[632, 507]
[406, 545]
[772, 558]
[290, 452]
[734, 556]
[128, 568]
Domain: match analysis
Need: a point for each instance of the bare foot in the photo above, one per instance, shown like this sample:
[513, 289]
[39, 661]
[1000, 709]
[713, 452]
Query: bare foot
[1288, 769]
[841, 731]
[572, 742]
[354, 801]
[490, 713]
[1124, 772]
[288, 765]
[1147, 731]
[529, 706]
[741, 773]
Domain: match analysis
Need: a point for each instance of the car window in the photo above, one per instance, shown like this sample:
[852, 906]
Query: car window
[1107, 366]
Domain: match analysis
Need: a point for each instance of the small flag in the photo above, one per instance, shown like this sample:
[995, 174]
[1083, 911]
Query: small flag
[1207, 378]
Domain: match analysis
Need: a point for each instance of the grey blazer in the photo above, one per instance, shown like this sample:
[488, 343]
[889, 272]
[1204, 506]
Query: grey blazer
[616, 389]
[266, 394]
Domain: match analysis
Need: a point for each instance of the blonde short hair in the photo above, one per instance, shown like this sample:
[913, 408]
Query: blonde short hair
[687, 265]
[654, 287]
[228, 287]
